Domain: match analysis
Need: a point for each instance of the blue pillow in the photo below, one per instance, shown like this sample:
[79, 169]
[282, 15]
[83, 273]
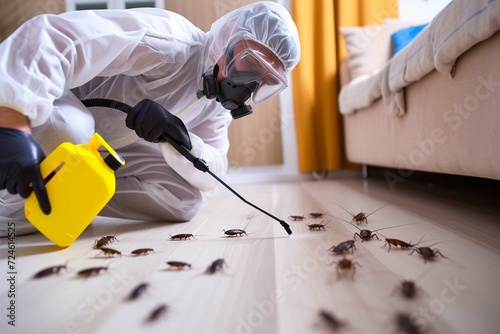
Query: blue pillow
[403, 37]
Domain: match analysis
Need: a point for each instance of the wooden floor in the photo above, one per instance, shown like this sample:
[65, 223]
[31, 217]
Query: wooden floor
[272, 282]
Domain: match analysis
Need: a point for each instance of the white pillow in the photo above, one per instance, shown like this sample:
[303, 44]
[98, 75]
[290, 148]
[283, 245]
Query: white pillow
[369, 47]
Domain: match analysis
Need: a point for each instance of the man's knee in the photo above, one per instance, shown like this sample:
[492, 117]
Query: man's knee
[177, 201]
[189, 206]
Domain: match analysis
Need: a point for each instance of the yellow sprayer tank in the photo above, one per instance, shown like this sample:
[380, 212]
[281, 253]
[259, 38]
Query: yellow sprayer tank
[80, 182]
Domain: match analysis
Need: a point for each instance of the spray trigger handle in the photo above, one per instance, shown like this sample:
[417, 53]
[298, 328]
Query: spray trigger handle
[198, 163]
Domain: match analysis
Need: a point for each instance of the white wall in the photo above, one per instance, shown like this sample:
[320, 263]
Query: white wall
[420, 10]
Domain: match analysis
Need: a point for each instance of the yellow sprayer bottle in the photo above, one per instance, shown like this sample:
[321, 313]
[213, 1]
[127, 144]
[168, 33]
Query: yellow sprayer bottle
[79, 184]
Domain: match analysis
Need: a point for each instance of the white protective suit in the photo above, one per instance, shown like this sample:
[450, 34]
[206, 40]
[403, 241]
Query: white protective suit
[53, 61]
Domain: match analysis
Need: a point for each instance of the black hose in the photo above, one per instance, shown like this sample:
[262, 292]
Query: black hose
[107, 103]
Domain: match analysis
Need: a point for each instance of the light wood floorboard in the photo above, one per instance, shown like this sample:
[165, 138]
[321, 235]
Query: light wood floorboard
[275, 283]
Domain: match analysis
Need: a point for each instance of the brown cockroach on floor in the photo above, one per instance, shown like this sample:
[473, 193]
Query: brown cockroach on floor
[409, 288]
[316, 215]
[399, 243]
[138, 291]
[344, 265]
[142, 251]
[405, 324]
[182, 236]
[110, 251]
[317, 227]
[90, 272]
[366, 235]
[360, 217]
[427, 253]
[331, 320]
[296, 217]
[49, 271]
[105, 240]
[236, 232]
[216, 266]
[343, 247]
[157, 313]
[178, 265]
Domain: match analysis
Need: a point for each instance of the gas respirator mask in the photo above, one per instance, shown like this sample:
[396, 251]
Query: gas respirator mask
[250, 71]
[232, 96]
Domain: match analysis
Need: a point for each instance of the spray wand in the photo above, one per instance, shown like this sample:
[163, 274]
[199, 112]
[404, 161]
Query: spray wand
[197, 162]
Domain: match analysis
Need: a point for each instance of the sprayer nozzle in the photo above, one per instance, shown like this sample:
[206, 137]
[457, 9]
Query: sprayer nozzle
[286, 227]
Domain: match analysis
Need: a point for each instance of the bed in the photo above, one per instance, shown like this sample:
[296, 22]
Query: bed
[433, 105]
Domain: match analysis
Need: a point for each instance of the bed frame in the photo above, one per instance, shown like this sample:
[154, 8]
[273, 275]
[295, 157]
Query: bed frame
[451, 125]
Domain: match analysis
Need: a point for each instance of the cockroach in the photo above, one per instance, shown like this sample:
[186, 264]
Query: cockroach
[427, 253]
[346, 264]
[178, 264]
[361, 217]
[296, 218]
[138, 291]
[399, 243]
[110, 251]
[105, 240]
[236, 232]
[142, 251]
[331, 320]
[49, 271]
[182, 236]
[405, 324]
[316, 215]
[366, 235]
[317, 227]
[90, 272]
[216, 266]
[157, 312]
[343, 247]
[408, 288]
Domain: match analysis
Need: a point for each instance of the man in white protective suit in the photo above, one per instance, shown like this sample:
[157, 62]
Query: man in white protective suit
[182, 82]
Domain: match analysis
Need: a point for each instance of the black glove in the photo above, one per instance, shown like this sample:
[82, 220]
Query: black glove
[20, 158]
[154, 123]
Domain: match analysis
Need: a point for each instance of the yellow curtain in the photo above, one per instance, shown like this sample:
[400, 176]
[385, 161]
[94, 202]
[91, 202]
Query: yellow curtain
[316, 78]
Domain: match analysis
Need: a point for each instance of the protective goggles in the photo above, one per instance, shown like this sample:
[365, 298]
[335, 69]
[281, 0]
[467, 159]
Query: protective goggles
[251, 64]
